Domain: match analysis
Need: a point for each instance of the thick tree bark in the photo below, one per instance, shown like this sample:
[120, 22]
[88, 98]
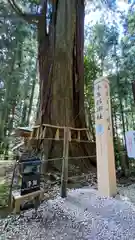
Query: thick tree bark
[61, 69]
[61, 63]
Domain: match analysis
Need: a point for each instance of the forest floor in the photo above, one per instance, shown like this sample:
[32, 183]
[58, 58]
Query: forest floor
[82, 215]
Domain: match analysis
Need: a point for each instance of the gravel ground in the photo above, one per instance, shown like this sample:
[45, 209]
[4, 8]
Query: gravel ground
[82, 215]
[127, 193]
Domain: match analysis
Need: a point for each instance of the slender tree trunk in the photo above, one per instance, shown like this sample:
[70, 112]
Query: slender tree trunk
[26, 103]
[90, 123]
[31, 101]
[38, 109]
[124, 159]
[5, 113]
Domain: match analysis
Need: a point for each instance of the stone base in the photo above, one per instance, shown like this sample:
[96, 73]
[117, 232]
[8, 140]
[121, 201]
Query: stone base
[18, 199]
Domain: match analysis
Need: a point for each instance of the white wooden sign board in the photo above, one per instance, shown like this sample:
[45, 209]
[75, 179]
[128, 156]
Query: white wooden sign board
[104, 139]
[130, 143]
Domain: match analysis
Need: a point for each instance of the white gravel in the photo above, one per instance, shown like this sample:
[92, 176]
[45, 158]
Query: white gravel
[82, 215]
[128, 193]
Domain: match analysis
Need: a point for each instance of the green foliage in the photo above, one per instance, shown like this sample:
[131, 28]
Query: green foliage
[103, 38]
[113, 55]
[91, 72]
[18, 72]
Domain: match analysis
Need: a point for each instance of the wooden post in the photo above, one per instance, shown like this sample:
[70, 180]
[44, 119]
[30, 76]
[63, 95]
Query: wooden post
[104, 139]
[64, 177]
[57, 135]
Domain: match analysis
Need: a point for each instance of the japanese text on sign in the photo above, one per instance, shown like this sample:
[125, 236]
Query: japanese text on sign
[99, 104]
[32, 183]
[107, 108]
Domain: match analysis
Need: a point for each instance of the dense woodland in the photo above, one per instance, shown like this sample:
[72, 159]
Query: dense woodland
[42, 58]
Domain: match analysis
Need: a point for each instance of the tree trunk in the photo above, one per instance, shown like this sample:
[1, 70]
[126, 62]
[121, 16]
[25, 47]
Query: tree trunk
[26, 103]
[31, 101]
[61, 70]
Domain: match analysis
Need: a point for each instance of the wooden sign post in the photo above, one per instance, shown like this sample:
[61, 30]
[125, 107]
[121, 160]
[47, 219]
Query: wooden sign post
[104, 139]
